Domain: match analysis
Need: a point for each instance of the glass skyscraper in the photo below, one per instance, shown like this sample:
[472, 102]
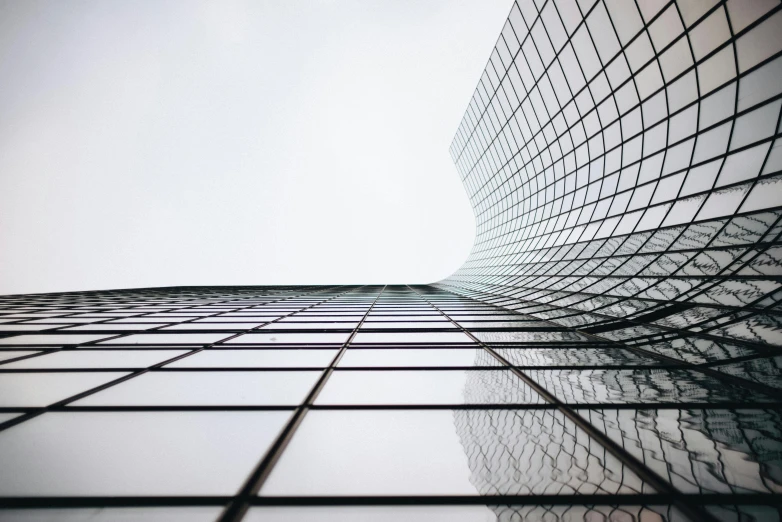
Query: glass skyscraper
[609, 351]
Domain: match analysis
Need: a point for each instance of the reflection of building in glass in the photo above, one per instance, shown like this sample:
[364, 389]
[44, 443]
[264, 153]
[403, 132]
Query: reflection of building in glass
[538, 452]
[702, 451]
[609, 351]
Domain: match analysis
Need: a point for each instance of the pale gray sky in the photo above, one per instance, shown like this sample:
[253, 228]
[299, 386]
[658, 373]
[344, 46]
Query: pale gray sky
[159, 143]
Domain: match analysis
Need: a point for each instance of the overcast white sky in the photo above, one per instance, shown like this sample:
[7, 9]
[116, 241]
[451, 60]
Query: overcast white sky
[160, 143]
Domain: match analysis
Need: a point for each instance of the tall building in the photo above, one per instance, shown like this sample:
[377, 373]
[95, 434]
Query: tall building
[609, 351]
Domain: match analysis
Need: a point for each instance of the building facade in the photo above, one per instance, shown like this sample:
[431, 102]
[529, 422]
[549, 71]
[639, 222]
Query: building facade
[609, 351]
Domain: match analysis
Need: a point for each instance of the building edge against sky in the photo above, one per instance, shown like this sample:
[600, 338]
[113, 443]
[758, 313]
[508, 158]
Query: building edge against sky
[623, 161]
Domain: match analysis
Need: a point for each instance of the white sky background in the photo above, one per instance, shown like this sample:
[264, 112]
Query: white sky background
[154, 143]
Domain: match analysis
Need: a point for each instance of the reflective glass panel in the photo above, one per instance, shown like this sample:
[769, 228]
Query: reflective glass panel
[97, 359]
[357, 357]
[701, 451]
[643, 386]
[134, 453]
[291, 338]
[258, 359]
[192, 338]
[43, 389]
[270, 388]
[427, 387]
[121, 514]
[411, 337]
[441, 452]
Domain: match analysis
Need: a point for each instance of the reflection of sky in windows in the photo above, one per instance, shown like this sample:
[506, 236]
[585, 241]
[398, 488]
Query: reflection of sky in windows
[611, 344]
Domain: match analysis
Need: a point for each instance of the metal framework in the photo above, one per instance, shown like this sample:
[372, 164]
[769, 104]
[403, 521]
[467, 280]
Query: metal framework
[609, 351]
[249, 401]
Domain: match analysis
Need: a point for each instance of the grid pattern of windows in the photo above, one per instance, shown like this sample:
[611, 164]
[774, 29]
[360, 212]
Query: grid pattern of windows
[623, 160]
[609, 351]
[357, 403]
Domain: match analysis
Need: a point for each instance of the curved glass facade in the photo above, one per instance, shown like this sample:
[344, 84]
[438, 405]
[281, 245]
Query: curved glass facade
[623, 162]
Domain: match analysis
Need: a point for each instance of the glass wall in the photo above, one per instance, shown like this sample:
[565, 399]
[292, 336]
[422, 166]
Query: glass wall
[357, 403]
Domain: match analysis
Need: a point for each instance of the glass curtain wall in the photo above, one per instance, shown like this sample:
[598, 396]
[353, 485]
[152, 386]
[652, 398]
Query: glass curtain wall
[356, 403]
[610, 350]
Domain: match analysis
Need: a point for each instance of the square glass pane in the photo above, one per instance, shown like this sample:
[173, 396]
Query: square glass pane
[411, 337]
[50, 340]
[309, 326]
[427, 387]
[258, 359]
[212, 326]
[43, 389]
[189, 338]
[442, 452]
[97, 359]
[259, 388]
[291, 338]
[393, 325]
[378, 357]
[134, 453]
